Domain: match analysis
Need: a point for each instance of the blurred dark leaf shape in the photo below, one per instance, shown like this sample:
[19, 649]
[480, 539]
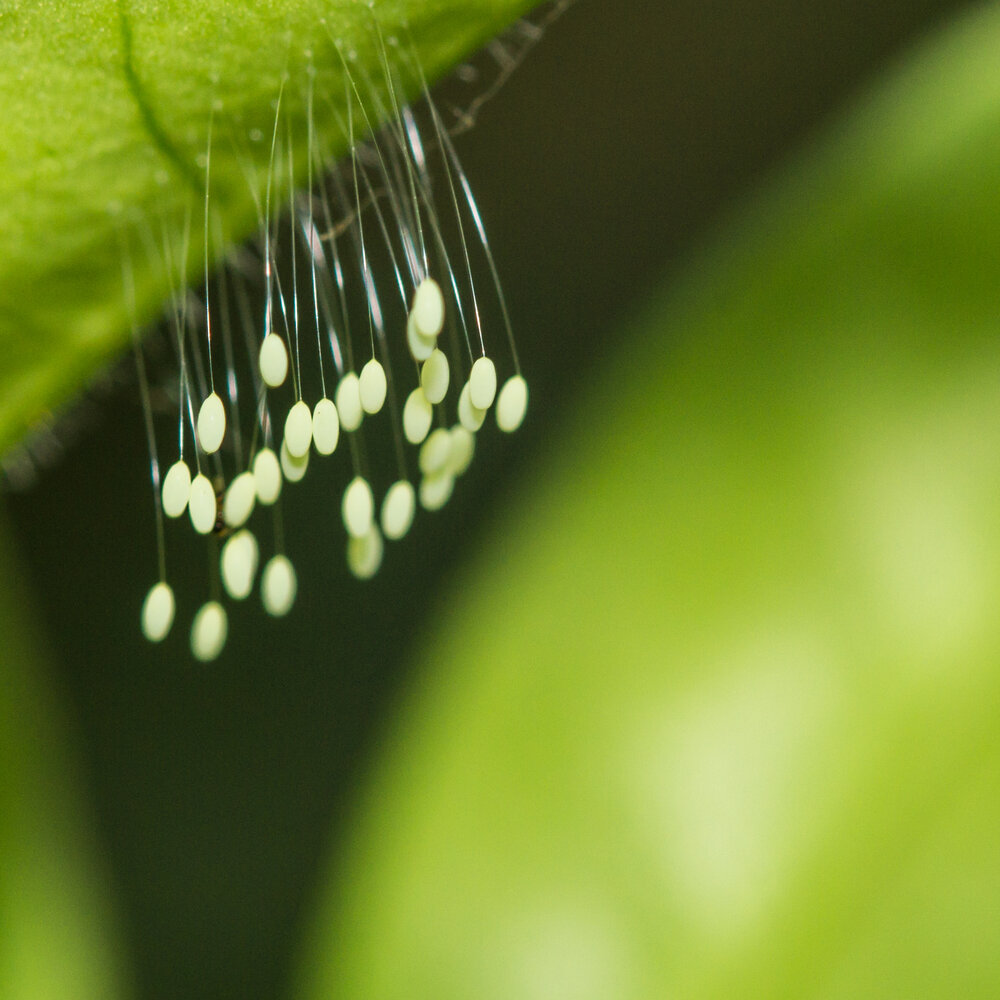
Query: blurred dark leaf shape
[57, 932]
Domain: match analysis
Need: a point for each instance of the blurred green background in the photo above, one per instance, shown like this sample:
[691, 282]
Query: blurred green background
[692, 689]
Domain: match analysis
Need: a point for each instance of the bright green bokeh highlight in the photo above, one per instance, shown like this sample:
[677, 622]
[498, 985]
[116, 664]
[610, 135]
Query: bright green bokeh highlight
[715, 713]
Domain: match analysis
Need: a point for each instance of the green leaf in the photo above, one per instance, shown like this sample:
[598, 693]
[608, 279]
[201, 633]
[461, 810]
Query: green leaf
[57, 935]
[106, 111]
[715, 712]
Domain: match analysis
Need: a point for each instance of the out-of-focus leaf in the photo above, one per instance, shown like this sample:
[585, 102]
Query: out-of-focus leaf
[714, 713]
[106, 109]
[56, 936]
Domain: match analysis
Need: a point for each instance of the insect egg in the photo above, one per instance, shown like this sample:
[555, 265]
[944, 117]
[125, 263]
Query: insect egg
[273, 361]
[325, 426]
[158, 612]
[176, 489]
[356, 340]
[211, 424]
[278, 586]
[372, 387]
[209, 631]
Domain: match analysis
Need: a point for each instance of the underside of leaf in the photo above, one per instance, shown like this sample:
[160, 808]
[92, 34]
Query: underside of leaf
[105, 128]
